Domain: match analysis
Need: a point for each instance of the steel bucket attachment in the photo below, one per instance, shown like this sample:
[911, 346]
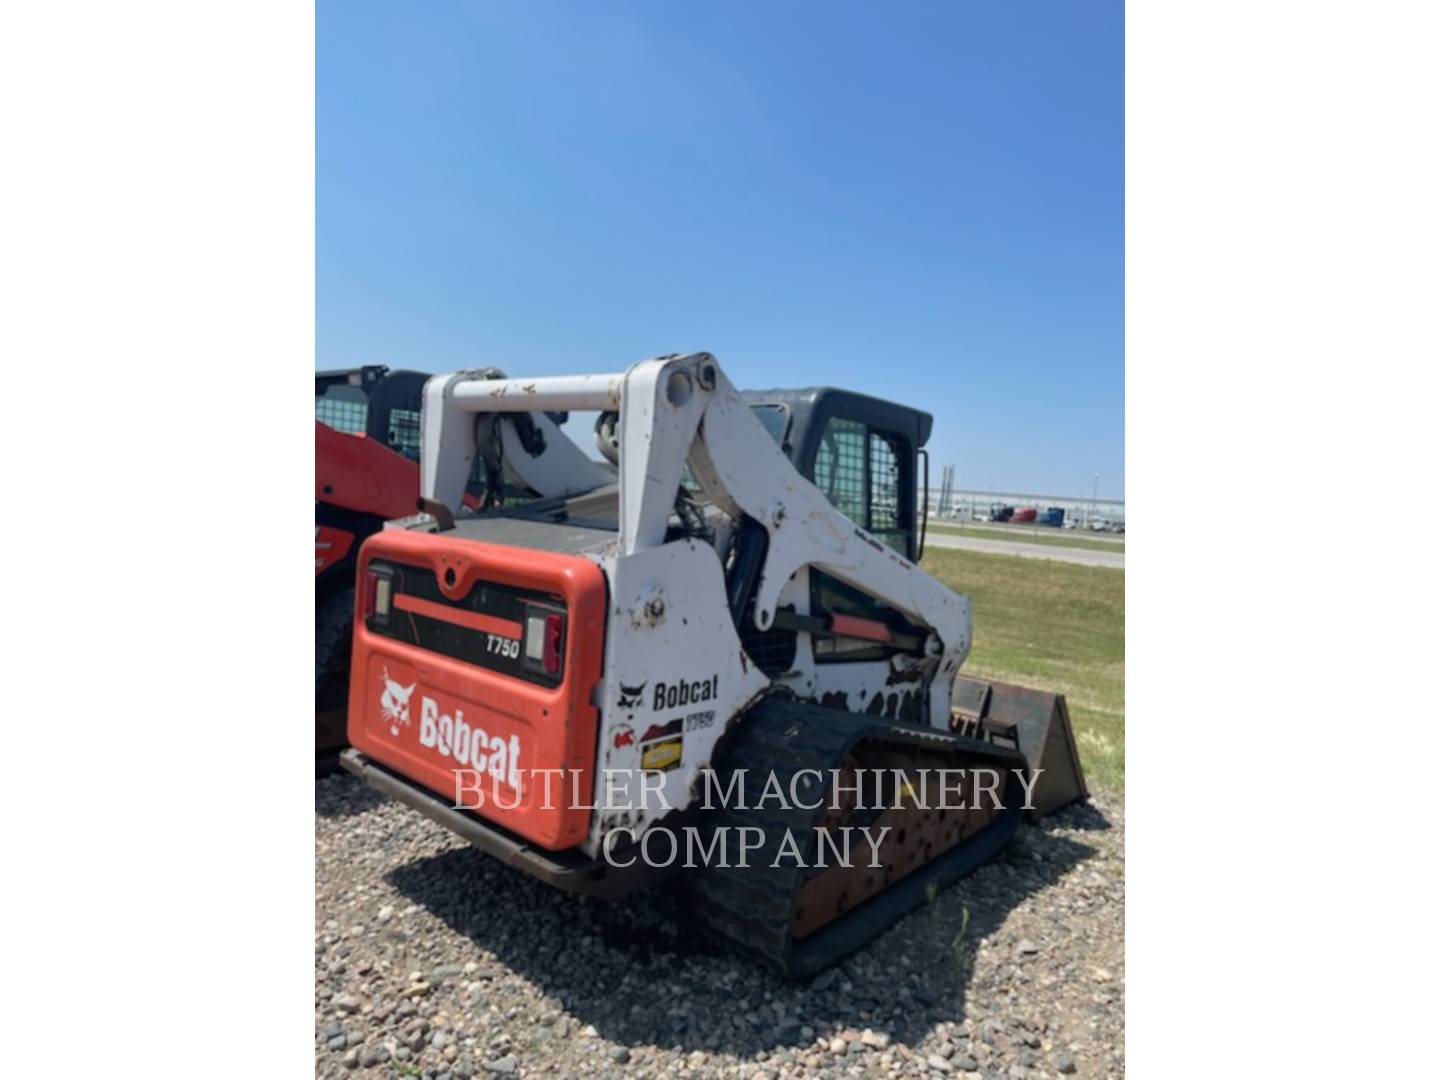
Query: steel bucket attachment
[1034, 721]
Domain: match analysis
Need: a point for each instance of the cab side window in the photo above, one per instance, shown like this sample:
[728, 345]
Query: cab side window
[885, 519]
[840, 467]
[859, 470]
[343, 408]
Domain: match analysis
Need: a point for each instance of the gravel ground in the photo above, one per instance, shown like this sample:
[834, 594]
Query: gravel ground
[433, 960]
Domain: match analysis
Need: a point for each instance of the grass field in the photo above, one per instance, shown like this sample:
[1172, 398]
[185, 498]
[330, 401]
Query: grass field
[1055, 626]
[1024, 535]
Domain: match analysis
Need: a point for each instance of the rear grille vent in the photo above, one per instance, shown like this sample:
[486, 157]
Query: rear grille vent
[772, 650]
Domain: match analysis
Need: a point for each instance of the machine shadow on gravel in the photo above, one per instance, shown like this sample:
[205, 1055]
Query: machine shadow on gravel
[596, 958]
[1086, 817]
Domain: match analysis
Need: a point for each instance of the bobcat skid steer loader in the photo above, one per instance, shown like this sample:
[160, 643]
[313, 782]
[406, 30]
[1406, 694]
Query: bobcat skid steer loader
[717, 638]
[363, 476]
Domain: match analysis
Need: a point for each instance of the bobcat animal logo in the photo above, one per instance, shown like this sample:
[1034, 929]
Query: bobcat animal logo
[631, 696]
[395, 703]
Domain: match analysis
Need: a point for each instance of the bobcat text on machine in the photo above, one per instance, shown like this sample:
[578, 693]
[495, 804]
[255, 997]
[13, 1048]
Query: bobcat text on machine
[734, 593]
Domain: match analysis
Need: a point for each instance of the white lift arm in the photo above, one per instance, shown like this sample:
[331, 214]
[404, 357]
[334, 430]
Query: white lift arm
[678, 408]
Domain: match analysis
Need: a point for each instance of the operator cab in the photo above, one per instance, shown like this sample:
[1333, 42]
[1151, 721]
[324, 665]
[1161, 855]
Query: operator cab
[373, 401]
[862, 452]
[867, 457]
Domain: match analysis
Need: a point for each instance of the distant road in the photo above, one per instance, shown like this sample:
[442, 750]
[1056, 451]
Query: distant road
[1083, 556]
[1022, 531]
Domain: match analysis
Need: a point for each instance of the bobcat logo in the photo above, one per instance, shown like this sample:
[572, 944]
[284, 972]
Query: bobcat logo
[395, 703]
[630, 696]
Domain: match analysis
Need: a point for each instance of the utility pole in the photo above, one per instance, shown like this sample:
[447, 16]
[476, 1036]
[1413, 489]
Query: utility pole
[1094, 493]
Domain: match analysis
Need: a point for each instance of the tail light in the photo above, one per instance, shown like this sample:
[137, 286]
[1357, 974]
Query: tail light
[554, 630]
[544, 639]
[379, 582]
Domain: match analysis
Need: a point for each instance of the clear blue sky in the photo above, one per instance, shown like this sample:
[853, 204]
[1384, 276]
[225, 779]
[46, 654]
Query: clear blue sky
[922, 201]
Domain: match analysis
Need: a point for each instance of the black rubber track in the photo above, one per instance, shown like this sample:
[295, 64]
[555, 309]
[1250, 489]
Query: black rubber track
[751, 908]
[334, 623]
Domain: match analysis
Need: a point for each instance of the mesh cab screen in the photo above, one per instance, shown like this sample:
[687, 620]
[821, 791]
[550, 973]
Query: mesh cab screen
[858, 469]
[840, 467]
[341, 413]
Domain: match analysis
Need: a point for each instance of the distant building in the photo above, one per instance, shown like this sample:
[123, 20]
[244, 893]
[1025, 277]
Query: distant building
[968, 504]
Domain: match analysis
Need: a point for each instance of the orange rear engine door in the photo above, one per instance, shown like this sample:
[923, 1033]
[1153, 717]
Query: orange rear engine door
[473, 671]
